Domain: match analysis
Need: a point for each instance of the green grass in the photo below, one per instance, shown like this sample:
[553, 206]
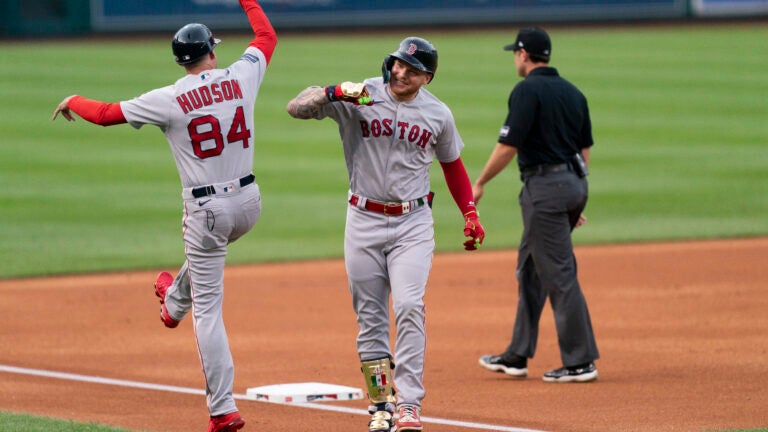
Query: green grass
[679, 118]
[28, 423]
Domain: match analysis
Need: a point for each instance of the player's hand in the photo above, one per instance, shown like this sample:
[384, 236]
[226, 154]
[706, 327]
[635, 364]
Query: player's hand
[474, 230]
[354, 93]
[63, 108]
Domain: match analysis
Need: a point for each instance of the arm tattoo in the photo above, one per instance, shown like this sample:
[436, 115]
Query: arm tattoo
[307, 103]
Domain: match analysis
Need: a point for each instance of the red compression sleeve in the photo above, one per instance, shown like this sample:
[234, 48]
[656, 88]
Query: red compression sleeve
[458, 183]
[265, 37]
[100, 113]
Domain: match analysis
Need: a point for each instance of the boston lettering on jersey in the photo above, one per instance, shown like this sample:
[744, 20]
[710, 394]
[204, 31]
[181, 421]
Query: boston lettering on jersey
[404, 130]
[209, 94]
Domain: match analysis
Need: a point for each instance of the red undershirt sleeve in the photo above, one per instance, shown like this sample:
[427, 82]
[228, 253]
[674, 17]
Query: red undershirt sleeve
[458, 183]
[100, 113]
[265, 38]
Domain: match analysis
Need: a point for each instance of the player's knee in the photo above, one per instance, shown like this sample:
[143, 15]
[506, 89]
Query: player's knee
[412, 308]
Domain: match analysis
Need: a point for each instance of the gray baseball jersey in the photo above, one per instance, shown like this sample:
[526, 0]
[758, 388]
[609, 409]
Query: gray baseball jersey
[207, 119]
[389, 147]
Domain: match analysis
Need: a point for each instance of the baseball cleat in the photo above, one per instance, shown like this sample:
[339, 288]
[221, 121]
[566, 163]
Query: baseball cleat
[408, 418]
[582, 373]
[226, 423]
[163, 281]
[496, 363]
[381, 418]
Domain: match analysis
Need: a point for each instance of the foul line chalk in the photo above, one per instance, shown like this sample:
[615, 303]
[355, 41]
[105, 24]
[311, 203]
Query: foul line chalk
[186, 390]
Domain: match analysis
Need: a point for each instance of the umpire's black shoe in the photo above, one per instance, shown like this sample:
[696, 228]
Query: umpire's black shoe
[516, 368]
[581, 373]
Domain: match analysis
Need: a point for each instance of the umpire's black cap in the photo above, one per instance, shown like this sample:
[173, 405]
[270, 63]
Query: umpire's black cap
[534, 40]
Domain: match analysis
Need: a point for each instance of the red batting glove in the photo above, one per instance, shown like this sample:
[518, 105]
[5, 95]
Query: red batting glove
[473, 229]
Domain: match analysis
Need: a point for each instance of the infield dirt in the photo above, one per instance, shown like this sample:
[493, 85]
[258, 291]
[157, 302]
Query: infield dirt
[682, 329]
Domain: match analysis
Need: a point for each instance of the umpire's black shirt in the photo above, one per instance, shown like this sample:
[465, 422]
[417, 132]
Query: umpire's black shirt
[548, 120]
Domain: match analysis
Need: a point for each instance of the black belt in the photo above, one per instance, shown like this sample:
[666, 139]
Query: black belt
[202, 191]
[544, 170]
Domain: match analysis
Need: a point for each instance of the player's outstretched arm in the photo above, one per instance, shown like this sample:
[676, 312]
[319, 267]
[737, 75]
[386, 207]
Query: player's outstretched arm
[100, 113]
[265, 38]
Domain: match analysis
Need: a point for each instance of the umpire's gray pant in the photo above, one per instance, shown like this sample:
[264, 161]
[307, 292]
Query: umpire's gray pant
[551, 205]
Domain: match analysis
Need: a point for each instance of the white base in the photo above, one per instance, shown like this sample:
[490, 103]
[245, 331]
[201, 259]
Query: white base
[303, 393]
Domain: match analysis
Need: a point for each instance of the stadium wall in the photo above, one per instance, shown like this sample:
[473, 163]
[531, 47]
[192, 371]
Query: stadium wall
[53, 17]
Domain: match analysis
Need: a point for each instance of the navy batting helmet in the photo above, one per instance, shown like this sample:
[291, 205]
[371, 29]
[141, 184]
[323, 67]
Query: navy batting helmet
[192, 42]
[415, 51]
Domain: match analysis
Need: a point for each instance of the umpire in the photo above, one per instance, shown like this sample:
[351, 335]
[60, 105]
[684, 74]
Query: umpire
[549, 129]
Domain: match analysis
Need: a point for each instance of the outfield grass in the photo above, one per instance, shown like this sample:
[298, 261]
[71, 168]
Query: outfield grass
[679, 114]
[679, 117]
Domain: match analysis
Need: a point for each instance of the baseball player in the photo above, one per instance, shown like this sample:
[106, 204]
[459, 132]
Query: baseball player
[207, 118]
[391, 129]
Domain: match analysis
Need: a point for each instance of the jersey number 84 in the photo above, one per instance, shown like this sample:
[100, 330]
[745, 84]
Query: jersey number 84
[207, 129]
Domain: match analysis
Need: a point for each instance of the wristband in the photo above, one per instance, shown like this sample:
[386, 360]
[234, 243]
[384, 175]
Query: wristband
[330, 93]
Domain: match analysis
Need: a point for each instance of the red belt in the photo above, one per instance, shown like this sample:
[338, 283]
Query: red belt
[391, 208]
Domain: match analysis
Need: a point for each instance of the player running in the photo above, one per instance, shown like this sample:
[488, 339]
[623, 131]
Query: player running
[391, 130]
[207, 118]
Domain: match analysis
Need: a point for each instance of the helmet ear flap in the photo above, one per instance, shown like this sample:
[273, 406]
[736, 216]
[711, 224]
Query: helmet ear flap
[386, 67]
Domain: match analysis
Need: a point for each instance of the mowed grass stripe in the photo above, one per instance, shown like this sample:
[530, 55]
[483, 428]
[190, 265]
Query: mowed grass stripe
[678, 117]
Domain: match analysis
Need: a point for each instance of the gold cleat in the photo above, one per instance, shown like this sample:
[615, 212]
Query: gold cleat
[381, 417]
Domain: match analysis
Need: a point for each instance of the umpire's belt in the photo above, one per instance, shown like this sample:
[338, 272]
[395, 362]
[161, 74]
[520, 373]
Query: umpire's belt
[544, 170]
[203, 191]
[389, 208]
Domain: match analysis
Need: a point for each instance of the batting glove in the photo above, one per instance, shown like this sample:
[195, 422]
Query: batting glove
[354, 93]
[473, 229]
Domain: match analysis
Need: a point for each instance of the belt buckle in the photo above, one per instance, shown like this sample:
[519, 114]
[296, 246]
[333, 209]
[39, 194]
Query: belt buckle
[393, 206]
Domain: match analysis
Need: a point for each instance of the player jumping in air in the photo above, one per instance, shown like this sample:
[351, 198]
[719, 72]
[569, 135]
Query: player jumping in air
[207, 118]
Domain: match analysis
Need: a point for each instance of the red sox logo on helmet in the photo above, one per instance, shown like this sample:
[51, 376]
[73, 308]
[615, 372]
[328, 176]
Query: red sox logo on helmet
[412, 48]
